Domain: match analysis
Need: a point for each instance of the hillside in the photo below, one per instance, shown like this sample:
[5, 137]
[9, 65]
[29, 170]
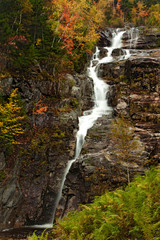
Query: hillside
[79, 115]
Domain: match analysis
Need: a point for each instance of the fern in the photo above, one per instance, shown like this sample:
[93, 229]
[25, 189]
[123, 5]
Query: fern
[133, 213]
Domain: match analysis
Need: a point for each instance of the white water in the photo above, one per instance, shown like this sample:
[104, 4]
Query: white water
[100, 103]
[100, 106]
[133, 37]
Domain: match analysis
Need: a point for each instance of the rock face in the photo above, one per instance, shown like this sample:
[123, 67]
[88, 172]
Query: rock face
[34, 170]
[106, 38]
[141, 38]
[134, 93]
[137, 84]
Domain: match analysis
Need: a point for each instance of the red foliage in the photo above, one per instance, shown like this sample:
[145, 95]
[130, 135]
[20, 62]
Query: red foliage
[143, 13]
[20, 38]
[12, 41]
[68, 21]
[119, 8]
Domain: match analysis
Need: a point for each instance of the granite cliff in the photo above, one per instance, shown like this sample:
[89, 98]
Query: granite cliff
[34, 170]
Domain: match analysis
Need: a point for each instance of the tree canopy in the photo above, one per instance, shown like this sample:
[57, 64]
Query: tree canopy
[60, 34]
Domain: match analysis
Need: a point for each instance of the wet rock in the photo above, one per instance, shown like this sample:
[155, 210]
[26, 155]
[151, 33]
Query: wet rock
[94, 63]
[121, 105]
[105, 38]
[70, 79]
[69, 82]
[134, 92]
[103, 53]
[76, 91]
[8, 193]
[135, 87]
[11, 196]
[141, 38]
[46, 88]
[113, 92]
[109, 70]
[117, 52]
[148, 41]
[30, 197]
[2, 161]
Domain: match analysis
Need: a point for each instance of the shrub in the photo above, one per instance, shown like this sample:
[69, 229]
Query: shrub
[133, 213]
[11, 116]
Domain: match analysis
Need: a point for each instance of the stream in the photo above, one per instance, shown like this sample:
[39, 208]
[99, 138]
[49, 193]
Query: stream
[89, 117]
[101, 106]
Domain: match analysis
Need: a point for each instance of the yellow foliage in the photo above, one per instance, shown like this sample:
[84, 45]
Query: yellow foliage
[154, 12]
[38, 41]
[11, 117]
[77, 21]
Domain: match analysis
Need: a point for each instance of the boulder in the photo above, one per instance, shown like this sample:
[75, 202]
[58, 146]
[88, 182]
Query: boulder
[105, 38]
[117, 52]
[103, 53]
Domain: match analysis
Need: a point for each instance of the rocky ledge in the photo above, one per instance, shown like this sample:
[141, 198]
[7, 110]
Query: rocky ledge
[34, 169]
[134, 94]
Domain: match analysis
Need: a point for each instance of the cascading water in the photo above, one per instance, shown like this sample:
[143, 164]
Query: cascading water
[100, 106]
[100, 103]
[133, 37]
[89, 117]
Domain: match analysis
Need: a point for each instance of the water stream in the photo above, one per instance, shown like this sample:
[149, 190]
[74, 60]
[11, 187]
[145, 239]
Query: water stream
[100, 102]
[134, 33]
[99, 109]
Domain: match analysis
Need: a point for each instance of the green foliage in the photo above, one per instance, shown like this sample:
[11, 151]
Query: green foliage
[98, 181]
[139, 12]
[11, 115]
[122, 138]
[44, 236]
[2, 175]
[58, 36]
[154, 16]
[133, 213]
[124, 143]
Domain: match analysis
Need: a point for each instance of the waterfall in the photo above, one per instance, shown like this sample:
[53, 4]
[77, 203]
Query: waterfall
[100, 103]
[133, 37]
[100, 106]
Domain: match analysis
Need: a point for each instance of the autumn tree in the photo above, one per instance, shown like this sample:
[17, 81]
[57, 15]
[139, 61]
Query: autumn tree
[75, 23]
[11, 117]
[114, 14]
[139, 13]
[124, 143]
[14, 17]
[126, 6]
[154, 15]
[118, 6]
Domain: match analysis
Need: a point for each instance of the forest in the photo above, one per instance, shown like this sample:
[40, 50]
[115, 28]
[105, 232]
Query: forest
[57, 35]
[52, 38]
[43, 44]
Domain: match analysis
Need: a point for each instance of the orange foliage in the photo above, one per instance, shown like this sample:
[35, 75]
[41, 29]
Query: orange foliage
[68, 21]
[39, 109]
[143, 13]
[119, 8]
[139, 13]
[76, 23]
